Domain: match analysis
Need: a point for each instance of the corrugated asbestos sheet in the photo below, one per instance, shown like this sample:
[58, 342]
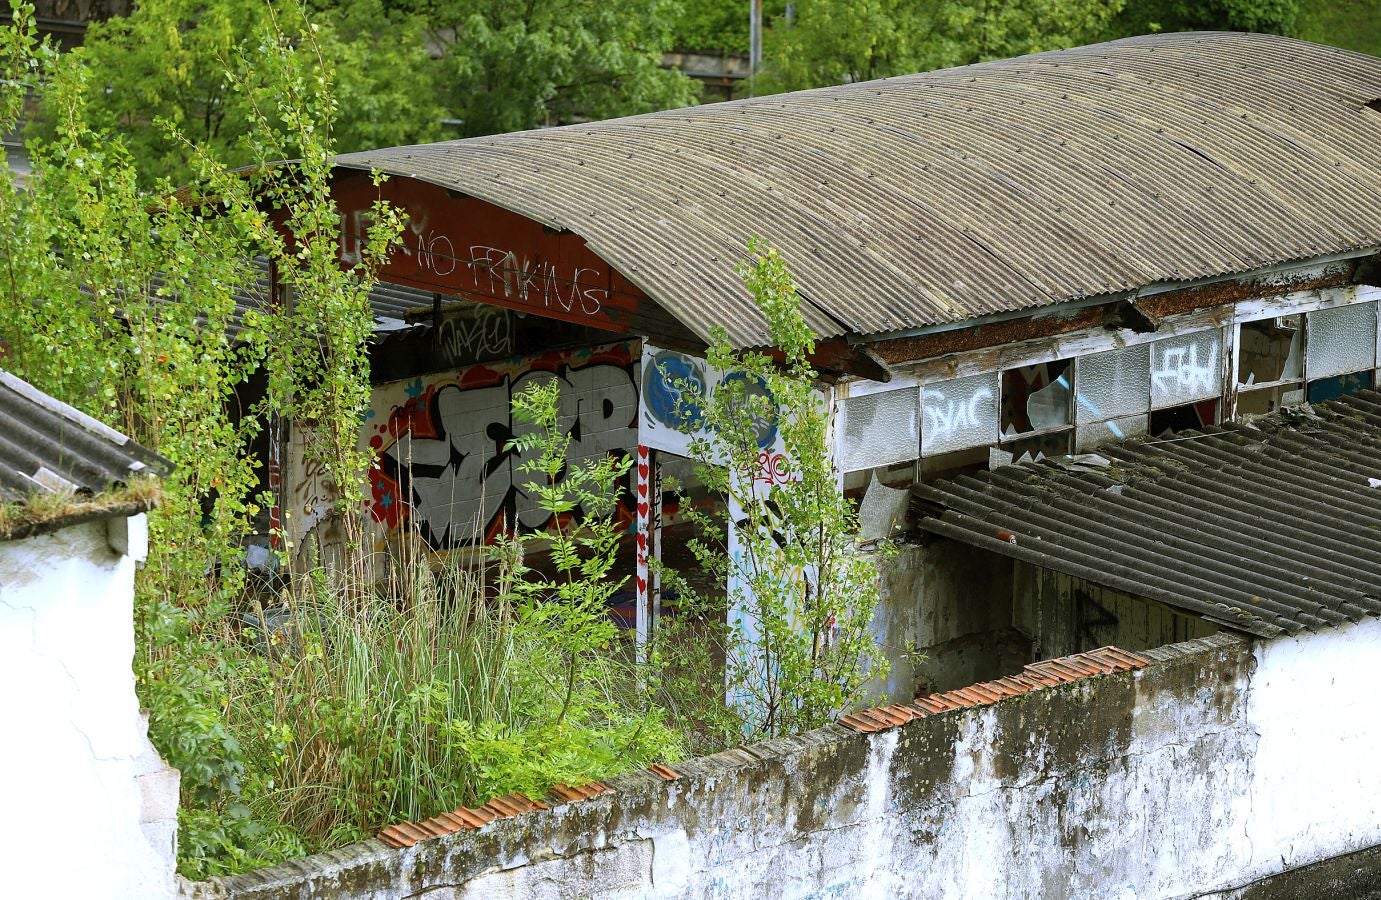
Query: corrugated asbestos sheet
[940, 197]
[46, 445]
[389, 303]
[1266, 528]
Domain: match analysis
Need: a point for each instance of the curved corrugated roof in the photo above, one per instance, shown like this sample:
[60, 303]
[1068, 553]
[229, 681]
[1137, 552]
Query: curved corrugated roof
[936, 198]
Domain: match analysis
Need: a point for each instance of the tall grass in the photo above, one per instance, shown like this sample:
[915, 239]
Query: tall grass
[348, 707]
[358, 713]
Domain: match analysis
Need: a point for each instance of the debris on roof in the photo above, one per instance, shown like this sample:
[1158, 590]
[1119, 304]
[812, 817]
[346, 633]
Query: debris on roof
[1265, 527]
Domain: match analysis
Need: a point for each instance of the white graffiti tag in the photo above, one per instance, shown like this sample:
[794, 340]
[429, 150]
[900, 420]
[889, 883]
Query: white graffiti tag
[945, 417]
[1179, 373]
[534, 281]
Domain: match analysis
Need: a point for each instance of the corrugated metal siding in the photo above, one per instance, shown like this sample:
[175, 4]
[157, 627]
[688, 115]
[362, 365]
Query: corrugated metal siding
[44, 443]
[941, 197]
[1268, 527]
[389, 302]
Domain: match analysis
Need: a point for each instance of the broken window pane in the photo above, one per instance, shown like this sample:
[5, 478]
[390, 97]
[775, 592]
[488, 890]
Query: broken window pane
[1112, 384]
[1040, 446]
[959, 413]
[1086, 437]
[1189, 417]
[1186, 368]
[880, 429]
[1035, 398]
[1339, 386]
[1341, 339]
[1265, 400]
[1269, 350]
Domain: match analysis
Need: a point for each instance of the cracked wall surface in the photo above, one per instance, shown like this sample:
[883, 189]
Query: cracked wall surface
[1221, 763]
[89, 810]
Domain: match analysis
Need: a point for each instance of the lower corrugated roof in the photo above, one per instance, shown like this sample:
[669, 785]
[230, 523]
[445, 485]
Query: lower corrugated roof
[47, 446]
[1268, 527]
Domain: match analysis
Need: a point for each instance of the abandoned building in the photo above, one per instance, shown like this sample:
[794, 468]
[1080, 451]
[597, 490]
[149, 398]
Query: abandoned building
[1100, 330]
[73, 530]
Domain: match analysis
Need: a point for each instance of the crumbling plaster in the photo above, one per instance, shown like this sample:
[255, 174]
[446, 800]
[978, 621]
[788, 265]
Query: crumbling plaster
[1221, 763]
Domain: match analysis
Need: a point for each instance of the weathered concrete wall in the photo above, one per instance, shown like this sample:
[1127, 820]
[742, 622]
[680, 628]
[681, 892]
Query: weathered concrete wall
[89, 810]
[1220, 764]
[954, 604]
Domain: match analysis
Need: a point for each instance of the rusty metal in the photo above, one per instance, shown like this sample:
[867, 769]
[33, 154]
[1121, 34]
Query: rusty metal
[947, 196]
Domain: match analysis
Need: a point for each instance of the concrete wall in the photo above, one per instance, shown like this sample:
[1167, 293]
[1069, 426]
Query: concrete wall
[87, 803]
[953, 603]
[1065, 615]
[1220, 764]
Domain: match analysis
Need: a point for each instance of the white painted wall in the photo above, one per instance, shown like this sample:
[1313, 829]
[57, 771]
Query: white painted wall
[1221, 763]
[87, 810]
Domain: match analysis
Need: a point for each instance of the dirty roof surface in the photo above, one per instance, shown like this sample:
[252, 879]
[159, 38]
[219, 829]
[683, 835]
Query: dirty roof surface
[47, 446]
[1266, 528]
[945, 196]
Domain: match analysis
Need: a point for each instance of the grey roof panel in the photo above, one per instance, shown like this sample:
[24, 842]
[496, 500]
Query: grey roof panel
[46, 445]
[1268, 527]
[936, 198]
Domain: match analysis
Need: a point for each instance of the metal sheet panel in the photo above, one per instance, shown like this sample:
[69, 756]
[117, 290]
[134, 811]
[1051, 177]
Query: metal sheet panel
[1267, 528]
[937, 198]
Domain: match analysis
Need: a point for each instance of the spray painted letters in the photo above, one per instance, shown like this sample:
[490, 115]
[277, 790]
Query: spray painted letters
[441, 461]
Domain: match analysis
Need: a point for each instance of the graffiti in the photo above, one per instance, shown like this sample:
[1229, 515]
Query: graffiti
[775, 468]
[946, 418]
[353, 226]
[435, 253]
[675, 389]
[443, 463]
[1178, 372]
[674, 386]
[482, 332]
[532, 281]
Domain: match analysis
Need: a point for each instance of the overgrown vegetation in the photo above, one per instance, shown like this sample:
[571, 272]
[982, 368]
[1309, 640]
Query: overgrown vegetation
[793, 627]
[342, 707]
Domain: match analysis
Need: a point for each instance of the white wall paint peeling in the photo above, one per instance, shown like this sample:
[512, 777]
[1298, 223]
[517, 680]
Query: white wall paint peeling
[1219, 764]
[76, 776]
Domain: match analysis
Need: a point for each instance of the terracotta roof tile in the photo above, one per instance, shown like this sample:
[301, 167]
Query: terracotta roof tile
[1037, 675]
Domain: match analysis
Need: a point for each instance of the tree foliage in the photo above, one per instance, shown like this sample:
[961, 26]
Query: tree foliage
[508, 65]
[834, 42]
[167, 62]
[797, 644]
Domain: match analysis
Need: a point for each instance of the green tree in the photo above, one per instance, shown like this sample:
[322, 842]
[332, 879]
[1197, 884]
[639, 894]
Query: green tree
[167, 62]
[836, 42]
[1270, 16]
[516, 64]
[797, 644]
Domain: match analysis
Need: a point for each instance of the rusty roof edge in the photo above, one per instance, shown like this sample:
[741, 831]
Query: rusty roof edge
[1162, 287]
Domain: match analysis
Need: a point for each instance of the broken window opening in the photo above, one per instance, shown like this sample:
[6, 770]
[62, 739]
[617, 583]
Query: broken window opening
[1189, 417]
[1040, 446]
[1270, 351]
[1270, 399]
[1037, 398]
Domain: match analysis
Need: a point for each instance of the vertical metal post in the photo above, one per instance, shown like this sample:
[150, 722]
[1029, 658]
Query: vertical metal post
[754, 42]
[642, 617]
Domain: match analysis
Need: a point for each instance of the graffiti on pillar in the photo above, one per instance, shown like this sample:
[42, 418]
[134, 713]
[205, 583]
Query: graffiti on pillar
[442, 465]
